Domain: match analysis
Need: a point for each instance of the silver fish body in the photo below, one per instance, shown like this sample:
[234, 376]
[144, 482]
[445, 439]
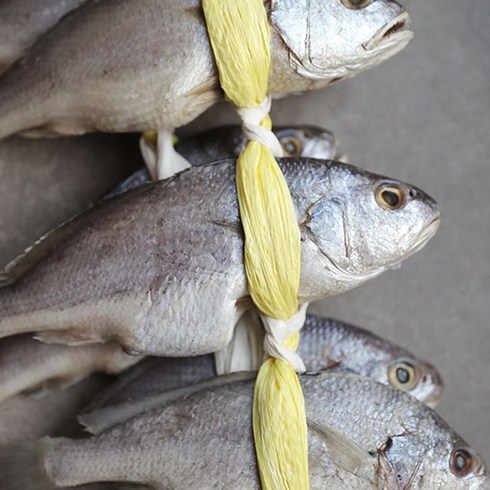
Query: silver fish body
[26, 364]
[362, 435]
[120, 65]
[229, 141]
[160, 271]
[326, 344]
[22, 22]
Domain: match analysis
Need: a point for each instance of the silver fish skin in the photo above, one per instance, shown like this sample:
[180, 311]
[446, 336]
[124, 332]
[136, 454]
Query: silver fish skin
[26, 417]
[26, 364]
[99, 162]
[326, 344]
[22, 22]
[229, 141]
[159, 269]
[335, 345]
[362, 435]
[120, 65]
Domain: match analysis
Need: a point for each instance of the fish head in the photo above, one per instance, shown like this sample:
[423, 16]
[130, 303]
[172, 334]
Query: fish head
[431, 457]
[364, 224]
[306, 141]
[418, 378]
[334, 39]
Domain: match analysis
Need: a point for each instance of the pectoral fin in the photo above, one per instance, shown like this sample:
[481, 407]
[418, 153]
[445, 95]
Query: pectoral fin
[345, 453]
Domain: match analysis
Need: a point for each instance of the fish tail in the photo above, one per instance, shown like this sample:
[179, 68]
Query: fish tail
[22, 466]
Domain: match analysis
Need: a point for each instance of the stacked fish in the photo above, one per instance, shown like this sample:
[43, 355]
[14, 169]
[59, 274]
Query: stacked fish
[156, 268]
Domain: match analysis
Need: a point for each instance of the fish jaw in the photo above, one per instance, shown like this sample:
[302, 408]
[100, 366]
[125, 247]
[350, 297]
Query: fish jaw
[396, 32]
[321, 51]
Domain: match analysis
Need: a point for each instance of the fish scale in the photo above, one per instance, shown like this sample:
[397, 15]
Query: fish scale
[203, 439]
[127, 268]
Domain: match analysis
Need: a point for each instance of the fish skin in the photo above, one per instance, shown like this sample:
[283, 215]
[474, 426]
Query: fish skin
[27, 165]
[354, 349]
[22, 22]
[25, 417]
[229, 141]
[26, 364]
[117, 272]
[326, 344]
[204, 440]
[146, 65]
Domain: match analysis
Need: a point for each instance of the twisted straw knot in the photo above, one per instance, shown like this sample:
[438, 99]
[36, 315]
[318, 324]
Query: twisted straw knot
[252, 117]
[277, 334]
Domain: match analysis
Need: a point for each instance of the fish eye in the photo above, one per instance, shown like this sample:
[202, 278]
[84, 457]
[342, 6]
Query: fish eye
[291, 145]
[461, 462]
[390, 196]
[355, 4]
[402, 375]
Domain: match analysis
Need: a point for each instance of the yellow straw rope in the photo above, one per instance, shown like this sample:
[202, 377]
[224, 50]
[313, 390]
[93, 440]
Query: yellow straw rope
[240, 38]
[152, 137]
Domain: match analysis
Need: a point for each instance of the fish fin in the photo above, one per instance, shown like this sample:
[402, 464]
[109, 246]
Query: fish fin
[21, 466]
[49, 386]
[386, 474]
[71, 338]
[118, 386]
[344, 452]
[100, 420]
[54, 130]
[136, 179]
[33, 254]
[205, 93]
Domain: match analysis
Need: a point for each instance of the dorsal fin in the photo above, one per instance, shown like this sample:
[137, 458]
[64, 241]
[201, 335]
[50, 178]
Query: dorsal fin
[100, 420]
[33, 254]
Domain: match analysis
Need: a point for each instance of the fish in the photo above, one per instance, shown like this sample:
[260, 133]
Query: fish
[43, 182]
[26, 417]
[229, 141]
[28, 365]
[122, 66]
[326, 345]
[23, 22]
[361, 434]
[99, 161]
[159, 269]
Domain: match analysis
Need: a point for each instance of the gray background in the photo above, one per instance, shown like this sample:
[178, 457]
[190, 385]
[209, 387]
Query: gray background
[423, 117]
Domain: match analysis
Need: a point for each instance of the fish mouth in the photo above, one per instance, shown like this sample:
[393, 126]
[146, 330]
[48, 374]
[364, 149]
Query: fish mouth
[427, 233]
[394, 32]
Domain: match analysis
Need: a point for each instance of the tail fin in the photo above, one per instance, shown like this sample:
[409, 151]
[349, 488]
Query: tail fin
[22, 468]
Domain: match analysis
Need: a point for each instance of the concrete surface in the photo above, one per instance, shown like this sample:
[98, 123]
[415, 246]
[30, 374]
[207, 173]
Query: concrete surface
[423, 117]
